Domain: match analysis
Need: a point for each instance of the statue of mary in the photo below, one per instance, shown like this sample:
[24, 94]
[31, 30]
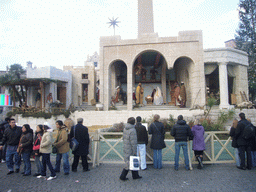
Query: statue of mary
[158, 98]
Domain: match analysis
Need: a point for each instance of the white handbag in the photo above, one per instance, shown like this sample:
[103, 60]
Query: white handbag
[134, 163]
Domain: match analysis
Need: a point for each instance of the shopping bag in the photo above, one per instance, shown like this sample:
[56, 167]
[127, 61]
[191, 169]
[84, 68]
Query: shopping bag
[134, 163]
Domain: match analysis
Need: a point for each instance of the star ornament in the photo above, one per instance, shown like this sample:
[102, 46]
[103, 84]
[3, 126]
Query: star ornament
[113, 22]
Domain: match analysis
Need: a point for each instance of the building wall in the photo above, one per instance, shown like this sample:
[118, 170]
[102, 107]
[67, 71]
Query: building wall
[51, 72]
[78, 81]
[187, 44]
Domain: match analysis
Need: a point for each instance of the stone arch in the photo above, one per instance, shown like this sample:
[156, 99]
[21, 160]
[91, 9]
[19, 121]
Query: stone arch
[118, 77]
[149, 68]
[183, 68]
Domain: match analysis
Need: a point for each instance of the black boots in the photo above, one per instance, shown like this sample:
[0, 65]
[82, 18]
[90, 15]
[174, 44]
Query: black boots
[200, 161]
[123, 175]
[135, 175]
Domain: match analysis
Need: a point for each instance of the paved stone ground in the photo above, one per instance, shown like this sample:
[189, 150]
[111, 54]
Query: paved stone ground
[221, 177]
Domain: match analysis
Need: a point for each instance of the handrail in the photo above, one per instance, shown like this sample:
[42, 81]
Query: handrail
[212, 152]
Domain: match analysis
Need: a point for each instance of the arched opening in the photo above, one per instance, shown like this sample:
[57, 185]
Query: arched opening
[149, 69]
[118, 84]
[181, 71]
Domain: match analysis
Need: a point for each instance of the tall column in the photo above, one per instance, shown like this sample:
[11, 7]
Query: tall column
[163, 81]
[223, 83]
[145, 17]
[129, 87]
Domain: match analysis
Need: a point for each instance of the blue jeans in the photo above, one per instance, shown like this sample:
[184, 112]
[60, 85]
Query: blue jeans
[10, 152]
[237, 157]
[66, 166]
[46, 161]
[157, 158]
[253, 158]
[184, 146]
[38, 163]
[27, 163]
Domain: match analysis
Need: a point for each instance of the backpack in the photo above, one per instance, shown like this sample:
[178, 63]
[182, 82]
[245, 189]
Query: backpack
[248, 132]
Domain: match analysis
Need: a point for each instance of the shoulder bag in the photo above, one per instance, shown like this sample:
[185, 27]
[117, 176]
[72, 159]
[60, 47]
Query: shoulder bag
[74, 143]
[54, 148]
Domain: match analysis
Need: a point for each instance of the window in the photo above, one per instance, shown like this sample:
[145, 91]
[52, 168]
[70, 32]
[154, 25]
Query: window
[84, 76]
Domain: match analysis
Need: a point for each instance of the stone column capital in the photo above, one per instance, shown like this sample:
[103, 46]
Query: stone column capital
[222, 63]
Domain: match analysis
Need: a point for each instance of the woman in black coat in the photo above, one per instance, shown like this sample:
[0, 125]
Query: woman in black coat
[157, 141]
[26, 147]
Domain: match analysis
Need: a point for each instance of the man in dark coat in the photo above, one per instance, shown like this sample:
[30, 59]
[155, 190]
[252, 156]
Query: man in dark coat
[181, 131]
[81, 134]
[142, 141]
[3, 127]
[244, 145]
[11, 137]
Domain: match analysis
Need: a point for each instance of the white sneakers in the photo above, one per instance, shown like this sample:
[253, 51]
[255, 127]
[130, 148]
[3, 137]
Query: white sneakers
[48, 179]
[51, 178]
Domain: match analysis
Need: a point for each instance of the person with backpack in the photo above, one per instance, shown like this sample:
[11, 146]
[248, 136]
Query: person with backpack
[62, 145]
[244, 135]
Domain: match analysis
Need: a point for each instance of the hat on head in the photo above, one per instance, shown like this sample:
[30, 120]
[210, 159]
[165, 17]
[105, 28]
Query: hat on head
[47, 125]
[181, 82]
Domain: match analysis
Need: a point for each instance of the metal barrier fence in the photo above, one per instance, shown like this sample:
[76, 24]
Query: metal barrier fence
[108, 148]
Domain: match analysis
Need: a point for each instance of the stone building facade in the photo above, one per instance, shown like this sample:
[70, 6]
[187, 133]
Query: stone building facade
[172, 60]
[83, 84]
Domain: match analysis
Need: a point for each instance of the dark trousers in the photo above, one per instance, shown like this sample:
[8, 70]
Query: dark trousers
[3, 153]
[46, 161]
[76, 161]
[242, 150]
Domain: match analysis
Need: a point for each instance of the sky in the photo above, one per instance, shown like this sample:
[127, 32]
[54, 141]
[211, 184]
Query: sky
[65, 32]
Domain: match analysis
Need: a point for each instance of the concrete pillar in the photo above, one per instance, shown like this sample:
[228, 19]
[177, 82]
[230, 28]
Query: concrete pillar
[223, 83]
[163, 81]
[145, 17]
[129, 87]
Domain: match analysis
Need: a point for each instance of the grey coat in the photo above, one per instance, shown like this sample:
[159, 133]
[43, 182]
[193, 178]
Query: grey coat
[130, 143]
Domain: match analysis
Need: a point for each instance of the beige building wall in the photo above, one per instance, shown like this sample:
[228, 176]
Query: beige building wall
[78, 81]
[187, 45]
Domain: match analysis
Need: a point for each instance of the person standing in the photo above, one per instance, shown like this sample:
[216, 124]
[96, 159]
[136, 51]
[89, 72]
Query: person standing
[46, 150]
[198, 143]
[181, 131]
[130, 148]
[157, 141]
[142, 141]
[11, 137]
[244, 145]
[62, 144]
[138, 93]
[81, 134]
[3, 127]
[182, 95]
[37, 141]
[234, 141]
[26, 147]
[177, 94]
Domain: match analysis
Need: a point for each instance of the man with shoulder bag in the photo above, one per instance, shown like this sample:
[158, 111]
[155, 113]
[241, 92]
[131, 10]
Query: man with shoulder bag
[244, 135]
[80, 133]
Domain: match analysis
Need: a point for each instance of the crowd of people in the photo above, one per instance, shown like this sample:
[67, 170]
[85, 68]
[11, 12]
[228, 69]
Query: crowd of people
[19, 143]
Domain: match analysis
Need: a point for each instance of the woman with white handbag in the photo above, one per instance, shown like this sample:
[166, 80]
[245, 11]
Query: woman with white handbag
[130, 148]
